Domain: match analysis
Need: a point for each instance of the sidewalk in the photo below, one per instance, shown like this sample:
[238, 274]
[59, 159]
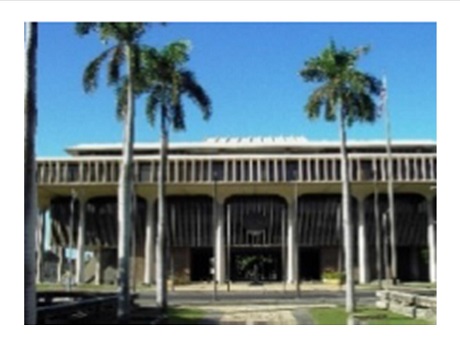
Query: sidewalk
[267, 287]
[256, 315]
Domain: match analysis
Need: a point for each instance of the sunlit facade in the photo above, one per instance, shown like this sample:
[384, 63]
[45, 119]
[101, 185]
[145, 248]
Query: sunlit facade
[273, 203]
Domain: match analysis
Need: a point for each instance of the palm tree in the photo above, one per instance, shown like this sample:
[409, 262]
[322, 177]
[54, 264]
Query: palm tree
[30, 189]
[345, 94]
[167, 81]
[126, 50]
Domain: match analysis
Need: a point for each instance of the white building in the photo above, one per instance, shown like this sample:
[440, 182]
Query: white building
[276, 203]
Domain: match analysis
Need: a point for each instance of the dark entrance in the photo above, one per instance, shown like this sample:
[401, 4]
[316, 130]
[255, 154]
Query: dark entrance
[200, 268]
[262, 264]
[309, 264]
[412, 264]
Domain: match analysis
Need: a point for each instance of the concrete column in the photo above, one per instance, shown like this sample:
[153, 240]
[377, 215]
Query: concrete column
[220, 245]
[149, 244]
[292, 244]
[98, 266]
[362, 245]
[60, 264]
[80, 263]
[431, 241]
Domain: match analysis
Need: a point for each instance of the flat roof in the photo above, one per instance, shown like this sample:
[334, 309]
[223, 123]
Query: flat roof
[244, 144]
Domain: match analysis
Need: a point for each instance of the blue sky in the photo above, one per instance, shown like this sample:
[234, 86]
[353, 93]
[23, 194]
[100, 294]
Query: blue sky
[250, 71]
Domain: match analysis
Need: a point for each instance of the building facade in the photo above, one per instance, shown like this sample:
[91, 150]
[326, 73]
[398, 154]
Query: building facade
[264, 207]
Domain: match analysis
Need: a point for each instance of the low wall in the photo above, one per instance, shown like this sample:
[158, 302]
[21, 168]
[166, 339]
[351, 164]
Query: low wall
[412, 305]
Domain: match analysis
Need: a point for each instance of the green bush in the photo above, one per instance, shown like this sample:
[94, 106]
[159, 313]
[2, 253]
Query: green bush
[331, 274]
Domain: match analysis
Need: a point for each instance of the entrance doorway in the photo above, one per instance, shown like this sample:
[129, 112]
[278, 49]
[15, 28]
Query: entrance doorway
[256, 264]
[309, 264]
[201, 264]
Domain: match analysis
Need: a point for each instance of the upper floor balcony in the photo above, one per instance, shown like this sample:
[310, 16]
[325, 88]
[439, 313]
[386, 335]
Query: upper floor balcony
[240, 168]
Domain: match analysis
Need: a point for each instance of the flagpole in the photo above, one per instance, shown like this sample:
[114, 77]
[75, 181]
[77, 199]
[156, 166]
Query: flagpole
[390, 183]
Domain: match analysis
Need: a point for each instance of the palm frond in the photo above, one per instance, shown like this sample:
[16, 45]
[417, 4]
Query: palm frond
[178, 117]
[152, 104]
[341, 81]
[91, 73]
[83, 29]
[196, 93]
[176, 52]
[115, 62]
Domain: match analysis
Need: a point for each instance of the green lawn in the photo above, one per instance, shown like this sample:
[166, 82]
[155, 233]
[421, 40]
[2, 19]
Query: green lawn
[369, 315]
[184, 316]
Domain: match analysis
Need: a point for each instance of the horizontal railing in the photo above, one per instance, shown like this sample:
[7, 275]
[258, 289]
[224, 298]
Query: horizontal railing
[241, 169]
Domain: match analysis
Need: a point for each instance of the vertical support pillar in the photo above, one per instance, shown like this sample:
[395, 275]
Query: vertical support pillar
[149, 247]
[80, 263]
[98, 266]
[228, 247]
[60, 264]
[362, 244]
[219, 245]
[431, 240]
[292, 245]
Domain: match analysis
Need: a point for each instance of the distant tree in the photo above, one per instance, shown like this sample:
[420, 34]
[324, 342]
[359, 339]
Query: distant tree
[126, 51]
[345, 94]
[166, 83]
[30, 188]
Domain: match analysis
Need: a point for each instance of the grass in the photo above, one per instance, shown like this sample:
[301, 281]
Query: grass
[184, 316]
[328, 316]
[369, 315]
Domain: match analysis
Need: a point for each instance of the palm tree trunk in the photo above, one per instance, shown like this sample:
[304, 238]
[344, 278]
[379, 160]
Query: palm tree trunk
[160, 271]
[347, 230]
[39, 238]
[124, 199]
[30, 189]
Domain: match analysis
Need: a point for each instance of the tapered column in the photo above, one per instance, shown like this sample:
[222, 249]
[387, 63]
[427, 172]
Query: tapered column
[220, 245]
[80, 264]
[60, 265]
[149, 247]
[292, 244]
[98, 266]
[431, 240]
[362, 245]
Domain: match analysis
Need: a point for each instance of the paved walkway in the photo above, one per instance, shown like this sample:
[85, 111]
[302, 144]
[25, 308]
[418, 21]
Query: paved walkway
[256, 315]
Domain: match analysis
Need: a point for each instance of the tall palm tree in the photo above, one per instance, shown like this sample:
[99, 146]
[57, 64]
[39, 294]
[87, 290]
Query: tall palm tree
[345, 94]
[30, 189]
[167, 81]
[126, 50]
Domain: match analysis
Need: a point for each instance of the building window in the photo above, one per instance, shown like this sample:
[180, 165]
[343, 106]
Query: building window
[312, 166]
[237, 171]
[271, 170]
[205, 171]
[144, 172]
[255, 171]
[188, 171]
[279, 168]
[72, 171]
[292, 170]
[217, 171]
